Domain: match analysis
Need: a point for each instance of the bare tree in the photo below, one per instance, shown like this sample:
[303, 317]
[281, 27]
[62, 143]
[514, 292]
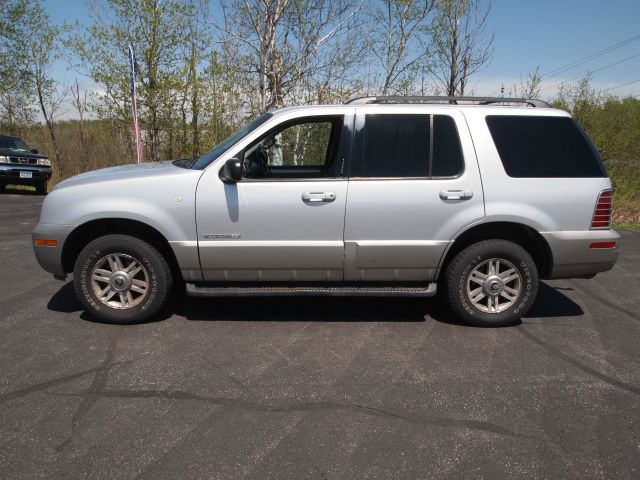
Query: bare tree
[531, 86]
[81, 105]
[463, 46]
[195, 53]
[40, 50]
[280, 40]
[326, 71]
[400, 41]
[51, 100]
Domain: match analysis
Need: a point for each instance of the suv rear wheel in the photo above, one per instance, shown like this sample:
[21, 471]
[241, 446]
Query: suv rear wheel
[121, 279]
[491, 283]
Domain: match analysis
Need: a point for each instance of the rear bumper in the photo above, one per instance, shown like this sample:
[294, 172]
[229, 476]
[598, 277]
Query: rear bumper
[11, 174]
[50, 258]
[572, 256]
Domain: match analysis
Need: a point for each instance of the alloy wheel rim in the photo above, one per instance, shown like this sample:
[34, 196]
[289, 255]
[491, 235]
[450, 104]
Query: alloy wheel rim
[494, 285]
[119, 281]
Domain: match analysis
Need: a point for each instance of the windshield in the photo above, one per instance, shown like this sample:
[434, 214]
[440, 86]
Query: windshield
[209, 157]
[13, 144]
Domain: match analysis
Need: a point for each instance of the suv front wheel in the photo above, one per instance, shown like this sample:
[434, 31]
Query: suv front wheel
[491, 283]
[121, 279]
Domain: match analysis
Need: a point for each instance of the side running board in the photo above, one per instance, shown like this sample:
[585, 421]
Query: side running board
[204, 290]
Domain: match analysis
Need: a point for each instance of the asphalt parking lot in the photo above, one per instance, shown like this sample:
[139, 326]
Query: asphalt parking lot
[321, 388]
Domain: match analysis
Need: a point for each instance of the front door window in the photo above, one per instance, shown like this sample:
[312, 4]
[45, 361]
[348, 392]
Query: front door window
[304, 149]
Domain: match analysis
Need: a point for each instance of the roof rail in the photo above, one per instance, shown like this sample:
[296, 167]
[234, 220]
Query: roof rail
[446, 100]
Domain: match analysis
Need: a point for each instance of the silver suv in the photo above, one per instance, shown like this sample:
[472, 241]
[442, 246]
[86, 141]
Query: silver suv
[392, 196]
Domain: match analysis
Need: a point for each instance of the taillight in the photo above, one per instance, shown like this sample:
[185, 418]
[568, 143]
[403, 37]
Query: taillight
[598, 245]
[602, 213]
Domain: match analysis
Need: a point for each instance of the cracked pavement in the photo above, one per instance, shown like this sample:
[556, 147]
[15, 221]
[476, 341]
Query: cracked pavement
[315, 387]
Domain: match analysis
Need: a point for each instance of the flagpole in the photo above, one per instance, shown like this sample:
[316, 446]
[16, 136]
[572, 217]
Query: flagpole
[134, 109]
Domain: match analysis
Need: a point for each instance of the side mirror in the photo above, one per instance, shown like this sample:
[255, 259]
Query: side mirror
[232, 171]
[34, 151]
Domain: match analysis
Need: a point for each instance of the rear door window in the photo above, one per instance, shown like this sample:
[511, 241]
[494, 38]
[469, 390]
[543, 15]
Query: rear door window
[396, 146]
[544, 147]
[409, 146]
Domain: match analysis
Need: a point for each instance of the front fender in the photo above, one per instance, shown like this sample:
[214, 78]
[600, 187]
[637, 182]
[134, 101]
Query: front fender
[166, 204]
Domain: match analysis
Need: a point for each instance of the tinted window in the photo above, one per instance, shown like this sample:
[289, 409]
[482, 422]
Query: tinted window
[399, 146]
[447, 153]
[396, 146]
[543, 147]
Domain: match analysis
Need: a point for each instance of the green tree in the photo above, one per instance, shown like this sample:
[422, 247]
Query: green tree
[614, 126]
[30, 45]
[16, 92]
[157, 30]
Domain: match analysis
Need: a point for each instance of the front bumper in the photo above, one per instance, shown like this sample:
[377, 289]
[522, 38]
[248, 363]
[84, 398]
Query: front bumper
[10, 173]
[572, 256]
[50, 258]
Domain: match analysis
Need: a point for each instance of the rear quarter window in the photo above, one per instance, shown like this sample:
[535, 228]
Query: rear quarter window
[544, 147]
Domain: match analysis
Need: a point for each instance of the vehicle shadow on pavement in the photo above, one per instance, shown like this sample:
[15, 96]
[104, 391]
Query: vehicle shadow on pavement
[303, 309]
[66, 301]
[551, 303]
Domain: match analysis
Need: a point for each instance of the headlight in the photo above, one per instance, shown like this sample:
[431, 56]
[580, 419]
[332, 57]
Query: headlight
[44, 161]
[4, 159]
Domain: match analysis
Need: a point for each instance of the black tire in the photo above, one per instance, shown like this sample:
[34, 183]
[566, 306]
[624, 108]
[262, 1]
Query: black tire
[41, 188]
[457, 279]
[155, 269]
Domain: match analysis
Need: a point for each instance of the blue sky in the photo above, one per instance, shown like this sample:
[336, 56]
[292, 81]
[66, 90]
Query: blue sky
[550, 34]
[528, 34]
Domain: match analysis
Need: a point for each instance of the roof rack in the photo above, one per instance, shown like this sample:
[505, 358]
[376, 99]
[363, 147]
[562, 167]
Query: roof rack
[446, 100]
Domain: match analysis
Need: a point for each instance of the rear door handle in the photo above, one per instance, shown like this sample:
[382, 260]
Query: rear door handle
[456, 194]
[313, 197]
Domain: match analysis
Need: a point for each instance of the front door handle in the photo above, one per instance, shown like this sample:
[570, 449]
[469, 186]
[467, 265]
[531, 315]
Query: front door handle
[313, 197]
[456, 194]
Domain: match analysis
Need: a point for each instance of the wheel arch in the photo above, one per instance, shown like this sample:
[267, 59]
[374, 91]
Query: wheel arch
[89, 231]
[519, 233]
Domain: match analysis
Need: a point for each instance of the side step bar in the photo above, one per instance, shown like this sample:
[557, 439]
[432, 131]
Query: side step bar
[202, 290]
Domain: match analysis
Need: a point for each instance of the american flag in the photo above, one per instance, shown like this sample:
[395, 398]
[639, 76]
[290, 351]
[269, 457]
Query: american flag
[134, 110]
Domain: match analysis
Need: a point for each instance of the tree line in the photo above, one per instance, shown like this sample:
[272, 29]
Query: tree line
[205, 66]
[614, 127]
